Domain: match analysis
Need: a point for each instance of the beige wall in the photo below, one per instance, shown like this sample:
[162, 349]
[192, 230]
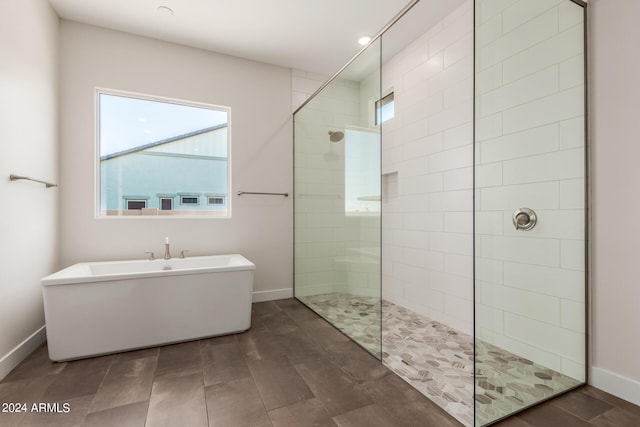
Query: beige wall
[615, 153]
[29, 138]
[259, 96]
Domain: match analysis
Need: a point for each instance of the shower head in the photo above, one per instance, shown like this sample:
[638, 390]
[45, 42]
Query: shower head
[336, 136]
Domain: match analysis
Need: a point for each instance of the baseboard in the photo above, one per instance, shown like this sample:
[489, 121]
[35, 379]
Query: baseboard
[21, 351]
[275, 294]
[622, 387]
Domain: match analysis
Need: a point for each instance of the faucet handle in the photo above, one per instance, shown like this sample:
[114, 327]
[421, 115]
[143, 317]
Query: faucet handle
[151, 256]
[182, 253]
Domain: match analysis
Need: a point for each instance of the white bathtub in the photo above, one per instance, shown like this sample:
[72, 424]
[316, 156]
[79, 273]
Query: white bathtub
[106, 307]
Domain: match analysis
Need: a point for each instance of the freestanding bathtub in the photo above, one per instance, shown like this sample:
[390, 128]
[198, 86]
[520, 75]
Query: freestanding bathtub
[105, 307]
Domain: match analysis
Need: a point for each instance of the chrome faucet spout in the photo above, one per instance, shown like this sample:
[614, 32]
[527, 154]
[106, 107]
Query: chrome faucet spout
[167, 252]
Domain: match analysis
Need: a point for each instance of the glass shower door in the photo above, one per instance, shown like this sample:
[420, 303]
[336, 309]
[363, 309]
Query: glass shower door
[337, 201]
[529, 203]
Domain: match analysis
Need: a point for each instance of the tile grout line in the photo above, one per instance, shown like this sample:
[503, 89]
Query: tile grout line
[204, 389]
[95, 395]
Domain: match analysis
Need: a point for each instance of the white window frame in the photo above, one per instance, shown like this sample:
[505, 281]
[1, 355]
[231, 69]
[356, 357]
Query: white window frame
[97, 203]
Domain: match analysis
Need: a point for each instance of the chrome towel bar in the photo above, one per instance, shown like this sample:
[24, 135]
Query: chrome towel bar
[13, 177]
[240, 193]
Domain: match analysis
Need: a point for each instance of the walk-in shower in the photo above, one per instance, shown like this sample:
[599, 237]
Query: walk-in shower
[445, 232]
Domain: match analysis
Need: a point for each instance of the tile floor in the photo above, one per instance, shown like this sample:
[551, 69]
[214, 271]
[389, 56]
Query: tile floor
[291, 369]
[438, 360]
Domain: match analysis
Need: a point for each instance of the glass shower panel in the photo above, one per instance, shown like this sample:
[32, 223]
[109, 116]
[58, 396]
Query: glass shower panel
[427, 203]
[529, 203]
[337, 201]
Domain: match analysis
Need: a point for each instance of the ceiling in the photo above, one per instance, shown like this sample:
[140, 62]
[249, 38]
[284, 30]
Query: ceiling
[311, 35]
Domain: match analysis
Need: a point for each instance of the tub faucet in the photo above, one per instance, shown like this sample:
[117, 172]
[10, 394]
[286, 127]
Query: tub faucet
[151, 256]
[167, 252]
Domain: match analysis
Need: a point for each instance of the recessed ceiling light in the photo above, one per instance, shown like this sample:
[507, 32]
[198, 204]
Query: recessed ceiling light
[364, 40]
[165, 11]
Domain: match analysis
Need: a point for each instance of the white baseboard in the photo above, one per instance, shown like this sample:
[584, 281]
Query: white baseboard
[275, 294]
[21, 351]
[622, 387]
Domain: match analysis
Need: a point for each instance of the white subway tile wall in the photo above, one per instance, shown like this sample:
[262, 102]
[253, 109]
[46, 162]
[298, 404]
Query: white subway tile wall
[428, 146]
[530, 153]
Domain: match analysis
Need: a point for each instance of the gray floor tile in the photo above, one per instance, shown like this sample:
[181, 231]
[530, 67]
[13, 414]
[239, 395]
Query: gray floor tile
[177, 401]
[296, 310]
[322, 332]
[360, 365]
[337, 391]
[73, 418]
[512, 422]
[550, 415]
[179, 359]
[617, 417]
[288, 303]
[310, 413]
[128, 381]
[27, 391]
[221, 350]
[420, 413]
[582, 405]
[279, 323]
[298, 347]
[261, 308]
[367, 416]
[393, 389]
[610, 399]
[78, 378]
[222, 360]
[278, 382]
[260, 344]
[236, 403]
[133, 415]
[216, 373]
[408, 406]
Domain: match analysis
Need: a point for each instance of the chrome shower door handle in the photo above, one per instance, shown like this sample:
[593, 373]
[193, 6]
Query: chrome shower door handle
[524, 219]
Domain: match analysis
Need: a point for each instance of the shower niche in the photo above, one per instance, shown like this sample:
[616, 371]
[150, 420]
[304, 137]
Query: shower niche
[411, 164]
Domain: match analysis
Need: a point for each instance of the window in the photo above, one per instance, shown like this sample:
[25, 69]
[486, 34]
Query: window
[215, 200]
[385, 108]
[166, 203]
[136, 204]
[167, 151]
[189, 200]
